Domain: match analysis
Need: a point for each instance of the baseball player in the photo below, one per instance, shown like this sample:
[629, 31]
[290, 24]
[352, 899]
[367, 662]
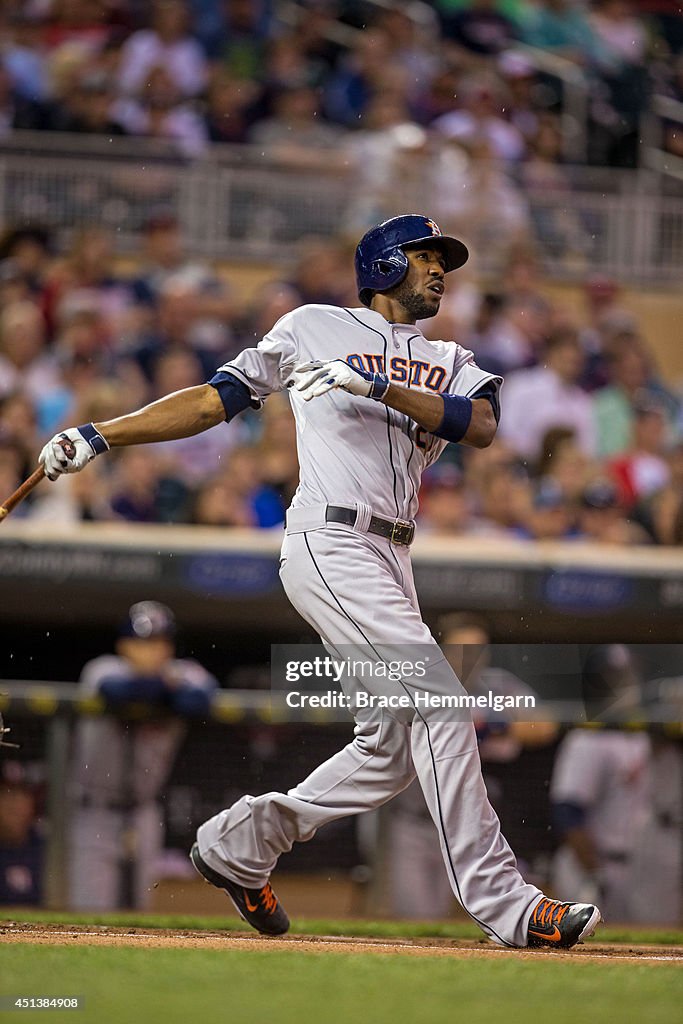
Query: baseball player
[120, 766]
[375, 403]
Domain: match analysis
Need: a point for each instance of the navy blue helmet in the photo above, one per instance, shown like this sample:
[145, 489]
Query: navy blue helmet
[381, 262]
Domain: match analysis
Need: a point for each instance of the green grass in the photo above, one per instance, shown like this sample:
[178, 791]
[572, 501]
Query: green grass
[325, 926]
[174, 986]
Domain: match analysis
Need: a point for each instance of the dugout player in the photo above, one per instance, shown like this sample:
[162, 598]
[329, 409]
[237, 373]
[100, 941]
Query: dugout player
[121, 764]
[375, 403]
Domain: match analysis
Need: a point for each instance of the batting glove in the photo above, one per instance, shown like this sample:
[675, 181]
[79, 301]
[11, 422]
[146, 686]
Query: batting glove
[72, 450]
[319, 378]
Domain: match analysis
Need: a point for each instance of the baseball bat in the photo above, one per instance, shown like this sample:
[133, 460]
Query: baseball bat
[21, 492]
[36, 476]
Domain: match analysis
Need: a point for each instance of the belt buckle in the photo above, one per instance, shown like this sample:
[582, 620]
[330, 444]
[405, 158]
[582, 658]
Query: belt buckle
[397, 526]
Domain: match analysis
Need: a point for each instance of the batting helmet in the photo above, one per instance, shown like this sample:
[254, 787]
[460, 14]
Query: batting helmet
[381, 262]
[148, 619]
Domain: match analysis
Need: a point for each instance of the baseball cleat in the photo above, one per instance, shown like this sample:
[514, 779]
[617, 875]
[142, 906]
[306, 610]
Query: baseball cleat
[258, 907]
[562, 925]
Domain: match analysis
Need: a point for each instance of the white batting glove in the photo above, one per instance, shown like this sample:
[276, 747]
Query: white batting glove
[319, 378]
[72, 450]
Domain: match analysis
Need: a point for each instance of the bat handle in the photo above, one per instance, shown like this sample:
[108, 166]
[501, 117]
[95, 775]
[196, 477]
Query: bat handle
[21, 492]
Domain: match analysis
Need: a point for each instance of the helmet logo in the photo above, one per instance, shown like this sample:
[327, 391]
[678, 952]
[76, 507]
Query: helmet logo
[434, 227]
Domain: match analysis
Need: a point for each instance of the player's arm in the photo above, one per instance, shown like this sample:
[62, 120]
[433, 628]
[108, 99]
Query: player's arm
[446, 416]
[177, 415]
[180, 414]
[455, 418]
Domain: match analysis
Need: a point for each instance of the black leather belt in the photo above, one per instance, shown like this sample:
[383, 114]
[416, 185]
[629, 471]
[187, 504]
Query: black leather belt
[394, 530]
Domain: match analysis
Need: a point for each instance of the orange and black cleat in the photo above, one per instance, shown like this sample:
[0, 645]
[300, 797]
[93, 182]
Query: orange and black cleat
[562, 925]
[258, 907]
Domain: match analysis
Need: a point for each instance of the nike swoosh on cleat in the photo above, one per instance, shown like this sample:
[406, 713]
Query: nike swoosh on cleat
[246, 900]
[553, 936]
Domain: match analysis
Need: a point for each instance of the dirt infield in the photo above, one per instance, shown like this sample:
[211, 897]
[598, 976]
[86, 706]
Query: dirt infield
[105, 935]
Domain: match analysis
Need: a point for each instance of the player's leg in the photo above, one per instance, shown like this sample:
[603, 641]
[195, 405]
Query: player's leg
[94, 860]
[245, 841]
[480, 864]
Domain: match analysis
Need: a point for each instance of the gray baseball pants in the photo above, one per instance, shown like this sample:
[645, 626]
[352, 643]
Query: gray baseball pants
[357, 589]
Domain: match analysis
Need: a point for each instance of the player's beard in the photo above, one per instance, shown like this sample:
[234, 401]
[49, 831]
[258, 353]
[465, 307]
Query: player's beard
[413, 302]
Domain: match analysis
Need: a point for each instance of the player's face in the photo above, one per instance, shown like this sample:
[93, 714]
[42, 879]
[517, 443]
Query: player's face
[421, 290]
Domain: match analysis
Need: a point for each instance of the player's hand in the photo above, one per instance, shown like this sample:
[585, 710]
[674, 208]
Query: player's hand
[72, 450]
[315, 379]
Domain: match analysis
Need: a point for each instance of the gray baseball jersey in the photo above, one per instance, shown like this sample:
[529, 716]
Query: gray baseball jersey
[352, 449]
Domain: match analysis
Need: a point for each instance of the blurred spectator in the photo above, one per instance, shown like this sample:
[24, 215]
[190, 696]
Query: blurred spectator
[185, 321]
[187, 462]
[444, 503]
[487, 204]
[241, 44]
[564, 463]
[18, 436]
[86, 277]
[29, 248]
[159, 112]
[548, 396]
[505, 334]
[24, 58]
[230, 107]
[623, 42]
[14, 287]
[527, 99]
[642, 469]
[238, 496]
[501, 492]
[21, 840]
[134, 486]
[271, 302]
[551, 515]
[480, 119]
[413, 46]
[558, 224]
[16, 111]
[357, 79]
[163, 256]
[602, 517]
[89, 107]
[322, 273]
[167, 44]
[81, 23]
[24, 360]
[83, 498]
[562, 28]
[121, 764]
[294, 136]
[614, 415]
[480, 27]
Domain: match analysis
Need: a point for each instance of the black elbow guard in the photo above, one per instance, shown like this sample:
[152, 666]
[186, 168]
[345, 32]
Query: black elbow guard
[232, 392]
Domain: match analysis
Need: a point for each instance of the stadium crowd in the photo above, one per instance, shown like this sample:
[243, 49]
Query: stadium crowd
[300, 78]
[590, 439]
[589, 443]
